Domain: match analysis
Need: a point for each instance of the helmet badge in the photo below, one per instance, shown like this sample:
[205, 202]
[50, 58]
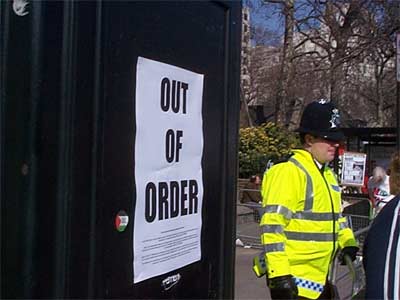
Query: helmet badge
[323, 101]
[335, 118]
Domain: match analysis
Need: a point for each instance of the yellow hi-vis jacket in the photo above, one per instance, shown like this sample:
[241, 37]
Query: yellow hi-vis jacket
[302, 226]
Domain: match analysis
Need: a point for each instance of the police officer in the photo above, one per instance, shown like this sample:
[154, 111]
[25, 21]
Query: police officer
[302, 225]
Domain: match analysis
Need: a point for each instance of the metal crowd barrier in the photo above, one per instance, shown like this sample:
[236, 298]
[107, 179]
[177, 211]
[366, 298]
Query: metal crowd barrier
[247, 221]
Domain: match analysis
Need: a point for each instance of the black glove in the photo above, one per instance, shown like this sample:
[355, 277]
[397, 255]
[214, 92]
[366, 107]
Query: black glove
[351, 251]
[283, 287]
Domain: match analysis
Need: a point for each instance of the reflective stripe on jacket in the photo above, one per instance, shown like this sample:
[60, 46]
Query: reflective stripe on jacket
[302, 226]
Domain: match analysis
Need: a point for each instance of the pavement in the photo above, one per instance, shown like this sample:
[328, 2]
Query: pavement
[247, 285]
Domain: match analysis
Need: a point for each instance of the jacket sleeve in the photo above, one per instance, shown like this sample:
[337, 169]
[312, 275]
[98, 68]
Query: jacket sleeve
[281, 191]
[346, 236]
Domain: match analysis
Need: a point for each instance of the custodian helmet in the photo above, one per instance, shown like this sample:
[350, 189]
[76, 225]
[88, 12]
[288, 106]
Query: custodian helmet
[321, 118]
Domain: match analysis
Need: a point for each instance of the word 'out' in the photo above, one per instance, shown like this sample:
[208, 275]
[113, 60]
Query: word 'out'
[173, 95]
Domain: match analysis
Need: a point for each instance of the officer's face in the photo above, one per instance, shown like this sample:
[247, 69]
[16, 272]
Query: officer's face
[322, 149]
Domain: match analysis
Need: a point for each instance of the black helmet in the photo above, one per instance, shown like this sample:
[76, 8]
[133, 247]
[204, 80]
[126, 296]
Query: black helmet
[321, 118]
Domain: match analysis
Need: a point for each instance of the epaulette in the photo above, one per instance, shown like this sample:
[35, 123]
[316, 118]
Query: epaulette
[282, 159]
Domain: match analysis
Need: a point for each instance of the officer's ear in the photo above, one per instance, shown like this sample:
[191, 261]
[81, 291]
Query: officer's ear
[309, 140]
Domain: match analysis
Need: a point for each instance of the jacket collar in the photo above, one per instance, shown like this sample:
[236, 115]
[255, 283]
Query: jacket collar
[306, 157]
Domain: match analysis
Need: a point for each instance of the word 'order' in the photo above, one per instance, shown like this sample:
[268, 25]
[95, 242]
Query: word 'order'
[165, 200]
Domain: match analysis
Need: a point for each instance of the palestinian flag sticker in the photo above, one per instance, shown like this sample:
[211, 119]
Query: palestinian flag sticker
[121, 221]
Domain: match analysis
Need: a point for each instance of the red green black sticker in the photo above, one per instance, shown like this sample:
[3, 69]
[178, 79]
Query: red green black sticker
[121, 221]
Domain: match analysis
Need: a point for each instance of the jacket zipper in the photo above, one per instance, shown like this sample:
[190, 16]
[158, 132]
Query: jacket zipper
[333, 215]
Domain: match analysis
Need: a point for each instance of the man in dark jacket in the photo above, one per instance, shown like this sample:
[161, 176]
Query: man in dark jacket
[381, 247]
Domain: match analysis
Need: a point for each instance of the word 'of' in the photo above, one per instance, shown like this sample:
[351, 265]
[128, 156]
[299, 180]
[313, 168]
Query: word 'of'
[173, 144]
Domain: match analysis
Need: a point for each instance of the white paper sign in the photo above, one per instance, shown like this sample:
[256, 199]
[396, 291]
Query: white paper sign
[168, 173]
[353, 169]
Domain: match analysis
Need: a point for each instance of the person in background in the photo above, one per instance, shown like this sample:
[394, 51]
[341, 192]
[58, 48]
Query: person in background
[379, 188]
[251, 191]
[381, 255]
[302, 226]
[364, 188]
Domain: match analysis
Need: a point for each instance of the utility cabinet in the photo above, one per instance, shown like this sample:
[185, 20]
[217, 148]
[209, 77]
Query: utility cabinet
[81, 138]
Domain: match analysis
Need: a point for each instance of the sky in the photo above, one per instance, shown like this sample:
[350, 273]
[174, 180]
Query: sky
[266, 17]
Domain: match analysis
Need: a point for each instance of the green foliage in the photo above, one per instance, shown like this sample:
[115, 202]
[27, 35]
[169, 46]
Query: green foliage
[260, 144]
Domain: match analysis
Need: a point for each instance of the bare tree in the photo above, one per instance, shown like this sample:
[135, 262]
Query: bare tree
[380, 56]
[286, 73]
[262, 72]
[339, 49]
[348, 33]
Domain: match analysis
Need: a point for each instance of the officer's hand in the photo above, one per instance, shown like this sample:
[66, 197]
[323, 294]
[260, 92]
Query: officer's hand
[283, 287]
[351, 251]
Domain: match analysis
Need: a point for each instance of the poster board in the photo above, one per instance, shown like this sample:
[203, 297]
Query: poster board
[353, 169]
[168, 169]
